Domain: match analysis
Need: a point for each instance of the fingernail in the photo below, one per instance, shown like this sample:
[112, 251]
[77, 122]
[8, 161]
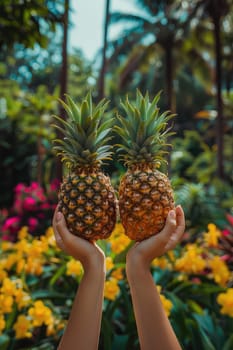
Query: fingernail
[172, 214]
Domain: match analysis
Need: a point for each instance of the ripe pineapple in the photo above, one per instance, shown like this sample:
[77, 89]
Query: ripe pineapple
[86, 197]
[145, 193]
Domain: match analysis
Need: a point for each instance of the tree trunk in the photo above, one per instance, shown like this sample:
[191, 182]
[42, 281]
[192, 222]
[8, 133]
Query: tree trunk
[169, 77]
[63, 75]
[218, 82]
[169, 91]
[101, 90]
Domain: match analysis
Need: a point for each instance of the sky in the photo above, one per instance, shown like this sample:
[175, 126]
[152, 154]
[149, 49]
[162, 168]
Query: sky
[87, 17]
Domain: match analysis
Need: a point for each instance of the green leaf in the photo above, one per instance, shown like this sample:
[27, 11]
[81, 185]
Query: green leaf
[44, 294]
[4, 341]
[57, 275]
[228, 345]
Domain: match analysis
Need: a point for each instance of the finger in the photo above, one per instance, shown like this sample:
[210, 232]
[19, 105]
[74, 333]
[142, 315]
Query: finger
[177, 235]
[58, 237]
[61, 228]
[74, 245]
[180, 218]
[169, 227]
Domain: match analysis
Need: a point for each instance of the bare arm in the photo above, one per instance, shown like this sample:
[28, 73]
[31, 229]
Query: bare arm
[83, 328]
[154, 328]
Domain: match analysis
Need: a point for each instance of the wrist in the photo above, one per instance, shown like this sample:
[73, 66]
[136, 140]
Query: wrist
[136, 267]
[94, 263]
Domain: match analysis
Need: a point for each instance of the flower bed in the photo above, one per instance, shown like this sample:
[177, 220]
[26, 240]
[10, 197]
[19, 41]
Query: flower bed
[38, 283]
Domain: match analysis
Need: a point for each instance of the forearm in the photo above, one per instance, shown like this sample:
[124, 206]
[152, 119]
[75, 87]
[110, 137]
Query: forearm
[154, 329]
[83, 328]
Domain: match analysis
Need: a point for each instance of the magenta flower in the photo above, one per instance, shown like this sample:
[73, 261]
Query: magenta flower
[19, 188]
[29, 203]
[32, 223]
[226, 232]
[11, 224]
[230, 218]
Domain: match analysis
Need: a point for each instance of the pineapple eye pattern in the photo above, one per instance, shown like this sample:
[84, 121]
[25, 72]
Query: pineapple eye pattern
[91, 212]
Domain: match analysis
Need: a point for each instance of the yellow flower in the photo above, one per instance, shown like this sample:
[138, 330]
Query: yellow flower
[20, 265]
[117, 273]
[2, 323]
[74, 268]
[5, 245]
[111, 289]
[119, 244]
[167, 304]
[8, 287]
[221, 273]
[40, 314]
[226, 301]
[22, 298]
[191, 261]
[23, 232]
[34, 266]
[160, 262]
[22, 246]
[10, 261]
[109, 263]
[3, 273]
[6, 303]
[22, 327]
[211, 237]
[118, 240]
[38, 247]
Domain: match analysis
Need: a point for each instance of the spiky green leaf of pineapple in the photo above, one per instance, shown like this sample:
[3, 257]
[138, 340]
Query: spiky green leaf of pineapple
[86, 197]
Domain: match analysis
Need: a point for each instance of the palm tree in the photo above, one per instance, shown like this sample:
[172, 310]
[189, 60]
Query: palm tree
[101, 83]
[161, 23]
[216, 10]
[63, 74]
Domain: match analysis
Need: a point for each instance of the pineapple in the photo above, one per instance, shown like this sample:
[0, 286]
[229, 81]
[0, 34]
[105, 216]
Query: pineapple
[145, 193]
[86, 197]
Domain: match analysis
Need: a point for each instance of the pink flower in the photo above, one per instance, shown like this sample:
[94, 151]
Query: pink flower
[54, 185]
[34, 186]
[29, 203]
[32, 223]
[225, 232]
[11, 224]
[19, 188]
[230, 218]
[45, 206]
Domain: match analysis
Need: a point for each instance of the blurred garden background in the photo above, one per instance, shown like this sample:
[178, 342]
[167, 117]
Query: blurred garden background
[185, 49]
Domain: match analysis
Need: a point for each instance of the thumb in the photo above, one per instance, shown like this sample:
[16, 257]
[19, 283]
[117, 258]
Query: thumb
[61, 226]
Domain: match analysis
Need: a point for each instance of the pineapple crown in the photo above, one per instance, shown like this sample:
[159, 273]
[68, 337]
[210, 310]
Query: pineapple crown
[143, 132]
[85, 134]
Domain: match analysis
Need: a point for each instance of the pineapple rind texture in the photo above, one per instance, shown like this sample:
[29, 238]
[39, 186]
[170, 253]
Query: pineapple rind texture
[145, 198]
[88, 204]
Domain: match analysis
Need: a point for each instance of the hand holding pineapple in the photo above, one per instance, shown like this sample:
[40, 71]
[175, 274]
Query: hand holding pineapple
[142, 253]
[89, 254]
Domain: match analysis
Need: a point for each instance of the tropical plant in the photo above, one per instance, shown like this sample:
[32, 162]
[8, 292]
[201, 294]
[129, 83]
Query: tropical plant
[86, 197]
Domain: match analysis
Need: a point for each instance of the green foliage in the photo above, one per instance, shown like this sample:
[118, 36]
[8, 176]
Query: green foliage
[28, 22]
[25, 121]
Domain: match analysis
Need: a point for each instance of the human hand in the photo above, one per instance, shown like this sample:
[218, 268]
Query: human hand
[144, 252]
[88, 253]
